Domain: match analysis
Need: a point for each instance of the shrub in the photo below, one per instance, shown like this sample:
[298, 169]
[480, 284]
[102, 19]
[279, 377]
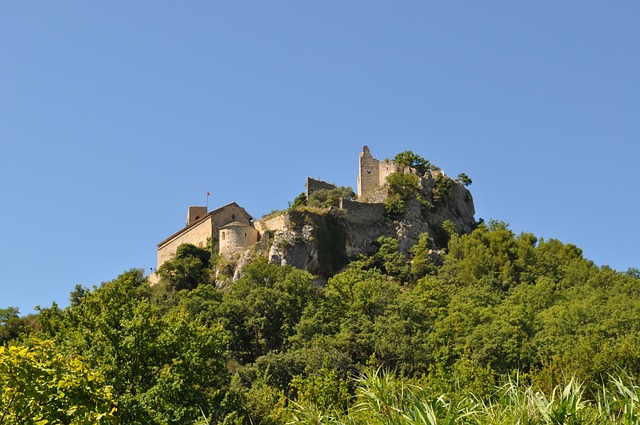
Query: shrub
[394, 206]
[273, 214]
[187, 250]
[426, 206]
[299, 201]
[403, 184]
[38, 384]
[464, 179]
[422, 262]
[449, 227]
[183, 273]
[442, 189]
[327, 198]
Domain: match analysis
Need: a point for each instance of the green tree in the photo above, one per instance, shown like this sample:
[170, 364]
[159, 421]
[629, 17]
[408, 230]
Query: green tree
[464, 179]
[353, 301]
[188, 269]
[184, 273]
[298, 202]
[449, 227]
[261, 310]
[487, 252]
[390, 260]
[404, 185]
[422, 262]
[394, 206]
[442, 189]
[39, 385]
[75, 298]
[324, 388]
[410, 159]
[11, 326]
[164, 368]
[187, 250]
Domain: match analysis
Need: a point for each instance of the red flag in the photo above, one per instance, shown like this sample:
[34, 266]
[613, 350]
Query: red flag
[208, 194]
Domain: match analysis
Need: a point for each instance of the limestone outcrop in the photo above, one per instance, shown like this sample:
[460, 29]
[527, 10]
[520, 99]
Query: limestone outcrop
[322, 242]
[313, 241]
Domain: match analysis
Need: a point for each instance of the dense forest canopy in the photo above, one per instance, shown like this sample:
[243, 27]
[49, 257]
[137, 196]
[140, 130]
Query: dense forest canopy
[497, 328]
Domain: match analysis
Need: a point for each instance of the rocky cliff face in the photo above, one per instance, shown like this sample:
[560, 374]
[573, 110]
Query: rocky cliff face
[456, 205]
[314, 241]
[322, 242]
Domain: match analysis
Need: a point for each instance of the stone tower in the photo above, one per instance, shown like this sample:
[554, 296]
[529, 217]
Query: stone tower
[368, 172]
[235, 238]
[373, 173]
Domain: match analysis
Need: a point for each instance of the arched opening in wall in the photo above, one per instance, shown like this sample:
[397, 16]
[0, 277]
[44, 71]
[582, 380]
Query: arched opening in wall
[222, 236]
[233, 216]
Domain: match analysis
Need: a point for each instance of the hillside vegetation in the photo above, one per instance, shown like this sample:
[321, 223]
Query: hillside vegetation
[501, 310]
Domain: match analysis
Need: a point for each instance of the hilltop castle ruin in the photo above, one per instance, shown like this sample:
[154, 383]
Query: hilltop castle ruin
[231, 231]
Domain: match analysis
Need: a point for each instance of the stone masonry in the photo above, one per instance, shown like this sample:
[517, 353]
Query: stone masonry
[372, 173]
[203, 226]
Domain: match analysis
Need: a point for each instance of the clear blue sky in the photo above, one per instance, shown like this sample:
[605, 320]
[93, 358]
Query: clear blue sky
[117, 115]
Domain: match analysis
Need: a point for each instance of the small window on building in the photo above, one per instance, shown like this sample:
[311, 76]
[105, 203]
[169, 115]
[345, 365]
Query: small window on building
[233, 216]
[245, 235]
[222, 236]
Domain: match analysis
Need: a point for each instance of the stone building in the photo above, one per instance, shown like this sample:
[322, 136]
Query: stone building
[236, 237]
[228, 224]
[372, 172]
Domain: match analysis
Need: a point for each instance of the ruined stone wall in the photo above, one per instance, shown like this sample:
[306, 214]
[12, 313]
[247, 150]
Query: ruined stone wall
[314, 185]
[273, 224]
[365, 223]
[361, 210]
[387, 167]
[197, 235]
